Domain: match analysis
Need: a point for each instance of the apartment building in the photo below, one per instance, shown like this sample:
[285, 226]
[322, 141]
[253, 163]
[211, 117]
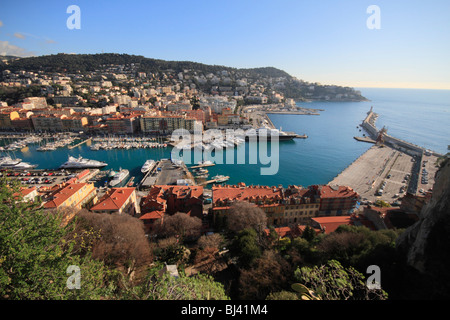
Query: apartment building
[167, 124]
[47, 122]
[118, 200]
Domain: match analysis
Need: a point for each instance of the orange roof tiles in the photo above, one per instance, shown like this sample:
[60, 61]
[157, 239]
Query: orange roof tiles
[60, 195]
[245, 193]
[330, 224]
[337, 192]
[113, 199]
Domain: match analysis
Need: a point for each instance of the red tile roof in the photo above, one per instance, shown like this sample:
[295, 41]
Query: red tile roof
[337, 192]
[330, 224]
[153, 215]
[241, 192]
[114, 199]
[60, 195]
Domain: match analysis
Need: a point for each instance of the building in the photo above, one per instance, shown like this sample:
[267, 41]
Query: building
[6, 117]
[171, 199]
[78, 195]
[74, 123]
[46, 122]
[337, 200]
[70, 195]
[66, 101]
[167, 124]
[22, 124]
[269, 199]
[122, 124]
[118, 200]
[330, 224]
[168, 200]
[301, 204]
[29, 194]
[38, 102]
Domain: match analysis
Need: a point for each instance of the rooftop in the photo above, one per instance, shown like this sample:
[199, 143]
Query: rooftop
[114, 199]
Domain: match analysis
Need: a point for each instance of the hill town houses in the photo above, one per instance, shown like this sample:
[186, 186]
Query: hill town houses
[120, 100]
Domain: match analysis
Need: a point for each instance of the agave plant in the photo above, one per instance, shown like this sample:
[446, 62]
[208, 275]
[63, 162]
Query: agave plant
[305, 293]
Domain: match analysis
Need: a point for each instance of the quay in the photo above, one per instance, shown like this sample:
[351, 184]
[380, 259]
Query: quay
[222, 179]
[79, 144]
[390, 168]
[203, 165]
[365, 139]
[165, 172]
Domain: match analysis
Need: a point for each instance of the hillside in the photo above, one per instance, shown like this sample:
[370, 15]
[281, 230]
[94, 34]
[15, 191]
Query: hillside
[271, 79]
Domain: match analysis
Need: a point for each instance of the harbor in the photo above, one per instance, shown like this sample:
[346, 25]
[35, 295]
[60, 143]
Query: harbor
[389, 169]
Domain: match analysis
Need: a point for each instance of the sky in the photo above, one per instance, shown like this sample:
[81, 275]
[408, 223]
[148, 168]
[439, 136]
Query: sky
[325, 41]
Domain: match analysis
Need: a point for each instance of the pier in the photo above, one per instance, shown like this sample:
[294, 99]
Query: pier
[203, 165]
[365, 139]
[223, 179]
[79, 144]
[390, 168]
[165, 172]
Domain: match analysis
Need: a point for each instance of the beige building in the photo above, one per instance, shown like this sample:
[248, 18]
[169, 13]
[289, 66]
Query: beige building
[47, 122]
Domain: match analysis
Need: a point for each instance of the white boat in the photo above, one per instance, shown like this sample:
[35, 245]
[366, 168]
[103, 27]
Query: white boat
[148, 165]
[220, 178]
[24, 165]
[205, 162]
[119, 177]
[81, 163]
[6, 162]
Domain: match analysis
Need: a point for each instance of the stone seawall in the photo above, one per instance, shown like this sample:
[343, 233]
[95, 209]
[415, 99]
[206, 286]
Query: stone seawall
[369, 126]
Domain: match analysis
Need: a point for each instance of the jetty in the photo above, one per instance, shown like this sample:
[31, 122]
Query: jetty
[79, 144]
[221, 179]
[365, 139]
[203, 165]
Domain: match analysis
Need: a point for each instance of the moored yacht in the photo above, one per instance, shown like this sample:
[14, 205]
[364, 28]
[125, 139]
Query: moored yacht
[81, 163]
[119, 177]
[148, 165]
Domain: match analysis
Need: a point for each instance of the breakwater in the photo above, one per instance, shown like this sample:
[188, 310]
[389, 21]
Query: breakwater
[369, 126]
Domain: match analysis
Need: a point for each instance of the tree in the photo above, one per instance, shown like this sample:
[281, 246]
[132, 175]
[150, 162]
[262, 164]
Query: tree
[245, 247]
[117, 239]
[269, 273]
[163, 286]
[182, 225]
[244, 215]
[171, 251]
[214, 241]
[35, 254]
[309, 234]
[334, 282]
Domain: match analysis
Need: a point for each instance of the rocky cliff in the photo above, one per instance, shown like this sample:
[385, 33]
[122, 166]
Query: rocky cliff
[426, 244]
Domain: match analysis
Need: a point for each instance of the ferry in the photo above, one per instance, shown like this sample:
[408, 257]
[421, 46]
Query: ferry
[81, 163]
[148, 165]
[119, 177]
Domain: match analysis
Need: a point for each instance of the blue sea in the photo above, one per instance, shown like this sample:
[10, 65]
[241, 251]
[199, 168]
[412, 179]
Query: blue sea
[418, 116]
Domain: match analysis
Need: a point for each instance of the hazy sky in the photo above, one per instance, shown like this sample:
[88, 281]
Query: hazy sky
[324, 41]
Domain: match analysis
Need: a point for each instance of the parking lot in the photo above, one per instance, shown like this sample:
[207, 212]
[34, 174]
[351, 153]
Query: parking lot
[39, 178]
[427, 172]
[381, 173]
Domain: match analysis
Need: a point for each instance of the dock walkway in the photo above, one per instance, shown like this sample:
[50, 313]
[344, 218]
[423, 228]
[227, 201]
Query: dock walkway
[80, 143]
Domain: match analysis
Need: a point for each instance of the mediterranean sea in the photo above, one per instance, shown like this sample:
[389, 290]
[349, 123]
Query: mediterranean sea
[421, 117]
